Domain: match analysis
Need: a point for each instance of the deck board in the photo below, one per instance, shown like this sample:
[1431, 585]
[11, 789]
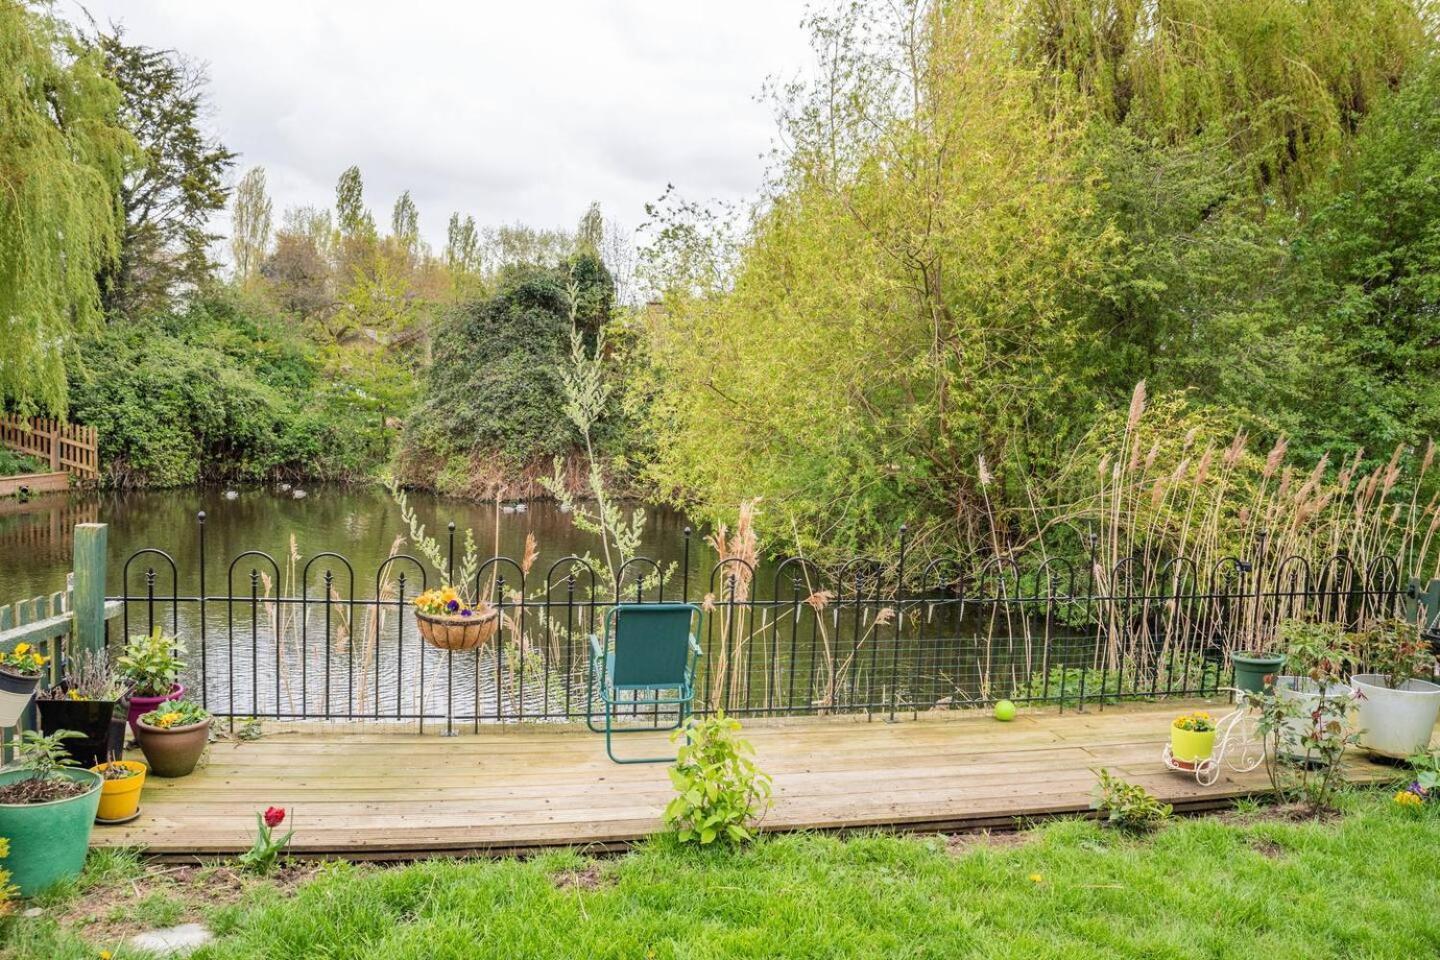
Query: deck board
[370, 792]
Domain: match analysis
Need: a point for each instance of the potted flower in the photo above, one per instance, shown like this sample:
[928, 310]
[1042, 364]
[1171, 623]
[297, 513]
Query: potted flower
[151, 664]
[1192, 737]
[47, 808]
[86, 702]
[1398, 708]
[449, 620]
[20, 671]
[173, 736]
[120, 790]
[1318, 654]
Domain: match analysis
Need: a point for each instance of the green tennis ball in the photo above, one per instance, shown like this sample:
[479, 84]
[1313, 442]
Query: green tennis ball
[1005, 711]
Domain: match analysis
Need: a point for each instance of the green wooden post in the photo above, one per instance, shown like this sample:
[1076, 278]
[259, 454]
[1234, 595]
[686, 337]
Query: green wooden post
[88, 599]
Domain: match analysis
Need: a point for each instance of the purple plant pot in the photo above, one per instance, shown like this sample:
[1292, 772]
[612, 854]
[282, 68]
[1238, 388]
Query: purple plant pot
[142, 705]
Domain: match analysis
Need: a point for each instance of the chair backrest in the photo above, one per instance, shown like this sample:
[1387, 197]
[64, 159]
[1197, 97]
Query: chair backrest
[651, 643]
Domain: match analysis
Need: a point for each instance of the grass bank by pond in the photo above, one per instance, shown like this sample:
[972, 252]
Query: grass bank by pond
[1245, 885]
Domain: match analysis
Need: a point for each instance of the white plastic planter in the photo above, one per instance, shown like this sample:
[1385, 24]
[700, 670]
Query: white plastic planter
[1396, 723]
[15, 694]
[1306, 691]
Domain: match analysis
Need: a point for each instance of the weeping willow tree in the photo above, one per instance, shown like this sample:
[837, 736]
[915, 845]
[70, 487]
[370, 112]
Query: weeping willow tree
[1284, 81]
[61, 158]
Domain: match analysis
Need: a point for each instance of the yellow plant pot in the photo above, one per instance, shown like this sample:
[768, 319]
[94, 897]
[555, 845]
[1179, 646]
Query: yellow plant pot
[120, 799]
[1191, 746]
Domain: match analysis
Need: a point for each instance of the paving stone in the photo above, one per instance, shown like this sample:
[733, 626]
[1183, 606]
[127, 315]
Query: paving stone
[173, 941]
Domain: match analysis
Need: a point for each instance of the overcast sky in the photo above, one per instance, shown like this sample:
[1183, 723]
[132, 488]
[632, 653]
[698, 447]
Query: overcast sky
[504, 110]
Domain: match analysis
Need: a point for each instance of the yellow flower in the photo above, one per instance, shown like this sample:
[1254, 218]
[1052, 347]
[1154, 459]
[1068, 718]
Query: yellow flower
[21, 649]
[167, 719]
[105, 955]
[1037, 878]
[1407, 799]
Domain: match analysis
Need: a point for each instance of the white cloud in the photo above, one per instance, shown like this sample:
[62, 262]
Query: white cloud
[506, 111]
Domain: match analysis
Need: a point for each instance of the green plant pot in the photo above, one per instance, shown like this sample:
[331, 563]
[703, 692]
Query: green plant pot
[48, 841]
[1252, 669]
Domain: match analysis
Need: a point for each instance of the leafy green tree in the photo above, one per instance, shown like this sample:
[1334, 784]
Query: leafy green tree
[62, 153]
[988, 220]
[590, 232]
[171, 187]
[1368, 265]
[218, 391]
[898, 307]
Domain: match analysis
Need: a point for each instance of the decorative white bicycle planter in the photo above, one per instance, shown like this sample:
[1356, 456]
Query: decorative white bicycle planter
[1238, 748]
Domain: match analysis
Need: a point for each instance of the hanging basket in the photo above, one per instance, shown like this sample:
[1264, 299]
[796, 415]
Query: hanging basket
[457, 633]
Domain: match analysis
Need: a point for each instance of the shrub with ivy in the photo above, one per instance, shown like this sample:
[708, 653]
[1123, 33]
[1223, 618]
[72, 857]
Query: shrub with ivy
[495, 384]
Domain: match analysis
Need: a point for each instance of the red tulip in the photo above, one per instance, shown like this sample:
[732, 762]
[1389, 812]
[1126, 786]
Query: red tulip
[274, 816]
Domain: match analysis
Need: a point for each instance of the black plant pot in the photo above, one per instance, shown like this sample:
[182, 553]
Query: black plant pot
[101, 725]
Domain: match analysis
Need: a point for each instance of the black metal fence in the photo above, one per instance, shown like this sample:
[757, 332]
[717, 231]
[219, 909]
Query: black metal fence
[322, 640]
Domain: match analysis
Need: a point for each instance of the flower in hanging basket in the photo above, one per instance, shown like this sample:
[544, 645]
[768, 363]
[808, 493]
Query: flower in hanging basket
[446, 601]
[449, 621]
[24, 660]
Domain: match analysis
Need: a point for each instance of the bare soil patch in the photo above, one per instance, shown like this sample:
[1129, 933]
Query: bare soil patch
[590, 877]
[164, 895]
[959, 843]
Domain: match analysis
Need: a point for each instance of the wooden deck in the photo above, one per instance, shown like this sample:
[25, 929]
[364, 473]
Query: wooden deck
[364, 793]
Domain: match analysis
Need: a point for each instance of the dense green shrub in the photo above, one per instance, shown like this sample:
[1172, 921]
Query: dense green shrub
[216, 394]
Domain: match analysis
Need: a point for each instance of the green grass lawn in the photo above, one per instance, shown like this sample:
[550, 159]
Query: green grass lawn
[1361, 885]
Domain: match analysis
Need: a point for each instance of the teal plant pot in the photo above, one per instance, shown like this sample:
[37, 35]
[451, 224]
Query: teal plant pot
[48, 841]
[1251, 671]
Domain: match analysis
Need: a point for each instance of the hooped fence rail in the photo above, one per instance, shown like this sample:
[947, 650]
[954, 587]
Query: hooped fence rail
[321, 640]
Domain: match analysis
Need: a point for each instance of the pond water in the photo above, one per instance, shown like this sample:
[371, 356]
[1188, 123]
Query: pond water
[284, 629]
[358, 522]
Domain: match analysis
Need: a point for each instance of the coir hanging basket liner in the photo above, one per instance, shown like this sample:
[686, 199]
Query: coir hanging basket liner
[457, 633]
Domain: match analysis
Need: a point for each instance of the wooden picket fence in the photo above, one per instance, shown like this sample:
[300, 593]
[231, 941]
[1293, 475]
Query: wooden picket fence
[71, 447]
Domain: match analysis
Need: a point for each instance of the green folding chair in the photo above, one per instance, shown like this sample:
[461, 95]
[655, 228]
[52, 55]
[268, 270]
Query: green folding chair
[646, 660]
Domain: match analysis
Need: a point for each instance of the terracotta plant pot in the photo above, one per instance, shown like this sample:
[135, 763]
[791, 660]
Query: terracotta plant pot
[457, 633]
[174, 752]
[120, 799]
[15, 694]
[139, 706]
